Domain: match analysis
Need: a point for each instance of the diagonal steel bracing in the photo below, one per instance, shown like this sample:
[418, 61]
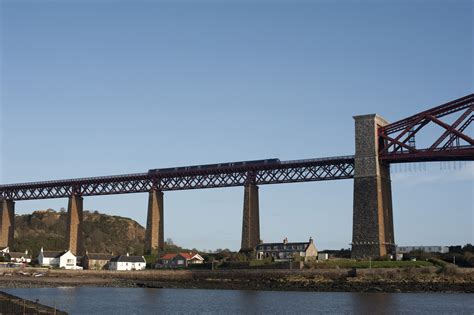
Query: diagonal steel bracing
[397, 140]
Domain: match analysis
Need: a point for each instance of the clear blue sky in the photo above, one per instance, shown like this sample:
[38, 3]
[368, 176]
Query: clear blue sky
[94, 88]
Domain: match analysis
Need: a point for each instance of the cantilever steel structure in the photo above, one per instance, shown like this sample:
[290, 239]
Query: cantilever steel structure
[285, 172]
[398, 139]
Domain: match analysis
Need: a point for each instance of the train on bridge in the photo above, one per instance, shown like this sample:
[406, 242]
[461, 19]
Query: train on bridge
[214, 166]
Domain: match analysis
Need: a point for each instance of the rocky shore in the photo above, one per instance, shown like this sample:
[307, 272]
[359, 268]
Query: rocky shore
[332, 280]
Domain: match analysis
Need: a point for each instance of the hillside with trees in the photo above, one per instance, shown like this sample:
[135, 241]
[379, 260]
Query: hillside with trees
[102, 233]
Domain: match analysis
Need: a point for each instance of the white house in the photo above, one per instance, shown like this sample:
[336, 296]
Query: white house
[4, 251]
[64, 259]
[127, 262]
[20, 257]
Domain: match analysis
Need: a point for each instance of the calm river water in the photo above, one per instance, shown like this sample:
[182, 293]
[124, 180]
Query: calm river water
[181, 301]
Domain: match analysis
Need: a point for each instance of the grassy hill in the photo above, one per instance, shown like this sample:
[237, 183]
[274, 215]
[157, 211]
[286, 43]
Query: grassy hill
[103, 233]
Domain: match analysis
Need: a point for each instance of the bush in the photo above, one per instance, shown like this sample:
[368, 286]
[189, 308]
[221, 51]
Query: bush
[383, 258]
[449, 270]
[203, 266]
[437, 262]
[150, 259]
[260, 262]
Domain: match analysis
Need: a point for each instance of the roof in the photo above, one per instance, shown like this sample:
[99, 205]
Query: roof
[125, 258]
[281, 246]
[186, 256]
[19, 255]
[169, 256]
[53, 254]
[98, 256]
[275, 244]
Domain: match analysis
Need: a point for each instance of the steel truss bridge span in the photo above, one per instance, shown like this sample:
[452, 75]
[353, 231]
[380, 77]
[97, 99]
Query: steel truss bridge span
[332, 168]
[452, 143]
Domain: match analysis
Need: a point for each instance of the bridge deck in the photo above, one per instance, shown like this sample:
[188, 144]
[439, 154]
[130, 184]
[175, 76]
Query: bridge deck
[331, 168]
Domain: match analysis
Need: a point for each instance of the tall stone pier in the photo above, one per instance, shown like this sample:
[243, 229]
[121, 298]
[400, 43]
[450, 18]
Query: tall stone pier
[154, 237]
[75, 233]
[372, 233]
[7, 225]
[251, 219]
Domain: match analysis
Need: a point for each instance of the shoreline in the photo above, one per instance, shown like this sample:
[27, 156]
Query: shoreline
[12, 304]
[327, 280]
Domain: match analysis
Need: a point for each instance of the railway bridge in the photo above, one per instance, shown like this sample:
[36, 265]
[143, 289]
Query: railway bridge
[378, 144]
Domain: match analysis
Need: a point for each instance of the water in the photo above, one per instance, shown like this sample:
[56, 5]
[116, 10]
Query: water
[88, 300]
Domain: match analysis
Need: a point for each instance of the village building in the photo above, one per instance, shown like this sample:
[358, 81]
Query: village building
[127, 262]
[20, 257]
[287, 251]
[4, 252]
[61, 259]
[96, 261]
[323, 256]
[181, 260]
[426, 249]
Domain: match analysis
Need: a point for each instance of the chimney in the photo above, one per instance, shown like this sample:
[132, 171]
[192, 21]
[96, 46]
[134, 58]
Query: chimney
[285, 241]
[310, 240]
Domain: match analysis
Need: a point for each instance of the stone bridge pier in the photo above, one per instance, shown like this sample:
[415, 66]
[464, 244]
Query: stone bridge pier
[74, 229]
[251, 219]
[154, 237]
[7, 224]
[372, 233]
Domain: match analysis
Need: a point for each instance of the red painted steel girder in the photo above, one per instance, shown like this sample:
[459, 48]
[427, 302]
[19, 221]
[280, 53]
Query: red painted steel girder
[285, 172]
[395, 138]
[439, 111]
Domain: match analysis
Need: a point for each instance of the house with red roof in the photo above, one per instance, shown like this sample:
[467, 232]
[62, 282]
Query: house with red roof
[178, 260]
